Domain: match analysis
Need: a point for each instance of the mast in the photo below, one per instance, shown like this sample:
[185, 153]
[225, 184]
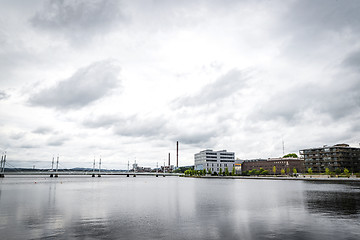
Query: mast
[4, 163]
[1, 163]
[57, 166]
[93, 174]
[99, 167]
[57, 163]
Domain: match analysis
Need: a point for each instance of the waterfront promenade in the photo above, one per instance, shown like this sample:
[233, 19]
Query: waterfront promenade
[299, 178]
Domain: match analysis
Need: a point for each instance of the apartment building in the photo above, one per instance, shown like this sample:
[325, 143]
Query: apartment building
[338, 156]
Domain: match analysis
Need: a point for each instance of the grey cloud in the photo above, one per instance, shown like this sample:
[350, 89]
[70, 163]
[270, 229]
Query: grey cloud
[335, 99]
[352, 61]
[3, 95]
[105, 121]
[138, 127]
[196, 138]
[223, 87]
[78, 19]
[18, 135]
[152, 128]
[29, 146]
[131, 126]
[57, 141]
[43, 130]
[325, 14]
[311, 26]
[84, 87]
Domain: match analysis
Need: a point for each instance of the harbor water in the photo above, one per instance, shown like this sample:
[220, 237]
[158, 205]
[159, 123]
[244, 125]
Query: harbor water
[117, 207]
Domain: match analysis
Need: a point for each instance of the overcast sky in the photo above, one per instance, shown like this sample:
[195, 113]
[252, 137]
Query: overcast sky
[127, 79]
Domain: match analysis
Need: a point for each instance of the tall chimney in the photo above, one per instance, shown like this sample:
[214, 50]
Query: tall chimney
[169, 159]
[177, 154]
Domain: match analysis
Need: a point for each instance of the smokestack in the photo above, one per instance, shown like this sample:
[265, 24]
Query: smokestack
[177, 154]
[169, 159]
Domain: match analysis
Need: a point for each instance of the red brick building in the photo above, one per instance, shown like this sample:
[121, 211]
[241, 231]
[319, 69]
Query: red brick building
[279, 163]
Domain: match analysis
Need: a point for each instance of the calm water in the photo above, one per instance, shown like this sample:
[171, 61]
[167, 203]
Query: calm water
[176, 208]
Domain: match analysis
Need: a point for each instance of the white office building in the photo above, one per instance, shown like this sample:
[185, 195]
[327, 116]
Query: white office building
[214, 160]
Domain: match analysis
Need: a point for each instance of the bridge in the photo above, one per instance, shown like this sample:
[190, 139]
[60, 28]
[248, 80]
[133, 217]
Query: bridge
[90, 173]
[56, 172]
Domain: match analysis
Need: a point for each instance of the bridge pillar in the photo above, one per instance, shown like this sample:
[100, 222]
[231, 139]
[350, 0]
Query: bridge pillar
[127, 175]
[51, 175]
[93, 175]
[56, 175]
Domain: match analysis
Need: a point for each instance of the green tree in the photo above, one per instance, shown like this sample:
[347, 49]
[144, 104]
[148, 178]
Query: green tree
[346, 171]
[226, 171]
[294, 171]
[209, 171]
[327, 171]
[233, 171]
[253, 172]
[282, 171]
[274, 170]
[293, 155]
[310, 171]
[288, 171]
[265, 172]
[221, 172]
[337, 171]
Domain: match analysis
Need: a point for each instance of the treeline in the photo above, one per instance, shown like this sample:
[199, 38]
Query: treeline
[337, 172]
[226, 172]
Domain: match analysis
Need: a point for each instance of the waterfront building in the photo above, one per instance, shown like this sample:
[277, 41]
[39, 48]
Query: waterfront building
[214, 160]
[238, 166]
[278, 163]
[339, 156]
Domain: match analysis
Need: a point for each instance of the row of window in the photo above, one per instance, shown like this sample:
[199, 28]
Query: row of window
[218, 165]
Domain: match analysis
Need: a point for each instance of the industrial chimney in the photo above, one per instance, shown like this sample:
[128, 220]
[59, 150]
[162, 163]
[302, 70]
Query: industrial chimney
[177, 154]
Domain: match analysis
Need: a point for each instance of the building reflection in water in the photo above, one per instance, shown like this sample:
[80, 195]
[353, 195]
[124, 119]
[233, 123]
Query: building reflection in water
[334, 200]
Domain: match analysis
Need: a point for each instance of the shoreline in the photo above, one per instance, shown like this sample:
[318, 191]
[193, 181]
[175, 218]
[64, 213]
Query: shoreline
[283, 178]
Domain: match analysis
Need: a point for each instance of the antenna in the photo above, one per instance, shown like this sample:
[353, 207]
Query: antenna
[283, 145]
